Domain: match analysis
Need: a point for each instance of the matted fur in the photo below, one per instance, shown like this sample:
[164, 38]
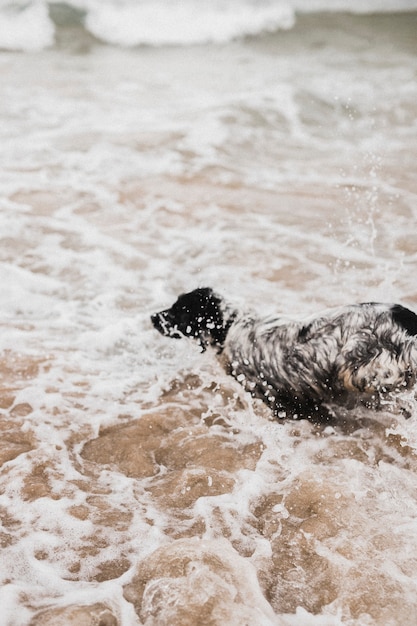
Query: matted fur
[362, 350]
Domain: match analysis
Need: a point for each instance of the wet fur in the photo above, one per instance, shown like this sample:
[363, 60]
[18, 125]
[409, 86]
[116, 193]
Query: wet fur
[361, 351]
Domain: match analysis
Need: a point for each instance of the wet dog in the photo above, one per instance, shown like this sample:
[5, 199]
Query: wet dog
[364, 350]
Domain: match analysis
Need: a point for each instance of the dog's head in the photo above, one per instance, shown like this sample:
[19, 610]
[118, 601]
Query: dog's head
[196, 314]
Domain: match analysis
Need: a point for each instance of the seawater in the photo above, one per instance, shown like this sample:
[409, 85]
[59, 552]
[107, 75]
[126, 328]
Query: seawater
[139, 483]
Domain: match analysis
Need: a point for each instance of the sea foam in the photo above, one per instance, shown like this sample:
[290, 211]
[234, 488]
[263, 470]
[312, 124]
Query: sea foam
[28, 28]
[31, 26]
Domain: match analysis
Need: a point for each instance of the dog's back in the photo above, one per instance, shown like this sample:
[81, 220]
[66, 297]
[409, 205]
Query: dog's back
[368, 348]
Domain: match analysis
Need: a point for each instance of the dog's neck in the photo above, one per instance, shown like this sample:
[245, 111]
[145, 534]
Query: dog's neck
[221, 333]
[217, 332]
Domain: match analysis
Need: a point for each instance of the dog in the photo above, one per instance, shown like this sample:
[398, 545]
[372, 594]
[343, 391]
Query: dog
[364, 351]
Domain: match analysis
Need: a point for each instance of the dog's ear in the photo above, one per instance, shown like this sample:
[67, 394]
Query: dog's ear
[216, 318]
[201, 315]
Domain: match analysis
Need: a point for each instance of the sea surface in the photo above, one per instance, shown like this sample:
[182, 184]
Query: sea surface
[268, 150]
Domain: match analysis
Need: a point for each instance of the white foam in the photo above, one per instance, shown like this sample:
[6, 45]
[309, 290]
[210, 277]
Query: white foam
[186, 22]
[29, 26]
[26, 28]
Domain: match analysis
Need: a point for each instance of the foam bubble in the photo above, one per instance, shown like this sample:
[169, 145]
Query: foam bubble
[26, 27]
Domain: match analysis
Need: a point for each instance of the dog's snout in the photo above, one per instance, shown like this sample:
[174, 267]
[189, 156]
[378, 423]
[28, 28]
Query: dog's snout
[155, 319]
[158, 320]
[164, 322]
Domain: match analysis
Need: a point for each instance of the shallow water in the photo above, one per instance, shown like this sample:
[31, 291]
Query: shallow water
[140, 484]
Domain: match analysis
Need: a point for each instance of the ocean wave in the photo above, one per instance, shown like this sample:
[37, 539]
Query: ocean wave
[31, 26]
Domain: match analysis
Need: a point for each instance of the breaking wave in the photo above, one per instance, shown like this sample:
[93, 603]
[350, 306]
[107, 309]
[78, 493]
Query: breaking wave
[31, 26]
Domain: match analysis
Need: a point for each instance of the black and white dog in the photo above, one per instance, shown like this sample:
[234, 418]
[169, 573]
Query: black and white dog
[296, 367]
